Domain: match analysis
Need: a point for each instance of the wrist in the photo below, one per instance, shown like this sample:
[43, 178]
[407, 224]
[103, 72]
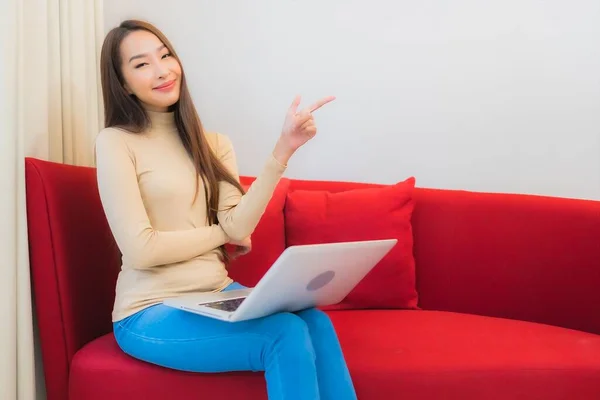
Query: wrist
[282, 152]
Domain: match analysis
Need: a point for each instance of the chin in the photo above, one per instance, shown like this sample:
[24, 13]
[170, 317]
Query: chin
[169, 104]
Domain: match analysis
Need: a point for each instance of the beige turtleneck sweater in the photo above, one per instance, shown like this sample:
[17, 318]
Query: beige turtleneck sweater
[146, 183]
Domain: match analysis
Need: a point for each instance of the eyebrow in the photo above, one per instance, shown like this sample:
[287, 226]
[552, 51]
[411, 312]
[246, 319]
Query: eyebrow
[145, 54]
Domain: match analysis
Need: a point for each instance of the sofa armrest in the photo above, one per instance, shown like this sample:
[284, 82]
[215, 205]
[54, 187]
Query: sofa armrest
[526, 257]
[74, 263]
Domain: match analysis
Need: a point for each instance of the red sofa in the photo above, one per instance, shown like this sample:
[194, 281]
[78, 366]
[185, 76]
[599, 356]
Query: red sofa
[508, 296]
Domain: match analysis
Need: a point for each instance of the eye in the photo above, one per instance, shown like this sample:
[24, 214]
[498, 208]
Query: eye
[166, 55]
[140, 65]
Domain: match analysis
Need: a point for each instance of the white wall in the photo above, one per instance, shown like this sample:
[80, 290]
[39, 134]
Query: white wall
[497, 95]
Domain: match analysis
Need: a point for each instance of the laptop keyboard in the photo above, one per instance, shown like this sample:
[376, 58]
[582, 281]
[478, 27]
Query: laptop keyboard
[225, 305]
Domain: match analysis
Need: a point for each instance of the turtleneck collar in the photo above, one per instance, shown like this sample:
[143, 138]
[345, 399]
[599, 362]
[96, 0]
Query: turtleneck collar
[162, 121]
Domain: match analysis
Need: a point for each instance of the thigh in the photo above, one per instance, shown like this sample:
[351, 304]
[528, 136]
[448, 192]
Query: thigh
[181, 340]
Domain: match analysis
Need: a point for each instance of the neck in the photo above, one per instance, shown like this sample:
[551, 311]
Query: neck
[162, 121]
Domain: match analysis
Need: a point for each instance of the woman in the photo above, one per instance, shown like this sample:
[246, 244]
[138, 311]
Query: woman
[172, 197]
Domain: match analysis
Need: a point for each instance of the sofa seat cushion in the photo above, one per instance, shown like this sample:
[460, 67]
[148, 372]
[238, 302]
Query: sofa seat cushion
[101, 371]
[408, 354]
[444, 355]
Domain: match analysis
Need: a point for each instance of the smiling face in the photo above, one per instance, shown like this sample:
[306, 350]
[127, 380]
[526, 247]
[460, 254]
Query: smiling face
[150, 72]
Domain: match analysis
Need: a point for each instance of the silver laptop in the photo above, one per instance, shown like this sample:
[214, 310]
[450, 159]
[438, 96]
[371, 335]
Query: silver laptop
[302, 277]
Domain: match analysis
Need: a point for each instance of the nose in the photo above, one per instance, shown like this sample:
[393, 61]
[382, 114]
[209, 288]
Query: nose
[161, 70]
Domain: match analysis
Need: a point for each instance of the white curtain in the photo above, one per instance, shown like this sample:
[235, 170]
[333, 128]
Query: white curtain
[50, 108]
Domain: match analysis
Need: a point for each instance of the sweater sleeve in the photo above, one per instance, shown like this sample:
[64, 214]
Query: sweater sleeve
[239, 215]
[141, 245]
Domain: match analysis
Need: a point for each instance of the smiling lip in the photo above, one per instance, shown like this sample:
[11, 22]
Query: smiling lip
[166, 86]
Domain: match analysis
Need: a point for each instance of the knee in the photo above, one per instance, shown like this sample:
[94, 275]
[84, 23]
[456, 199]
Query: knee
[291, 332]
[290, 326]
[316, 320]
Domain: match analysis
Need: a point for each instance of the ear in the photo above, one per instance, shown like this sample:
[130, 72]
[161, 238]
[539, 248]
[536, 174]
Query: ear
[127, 89]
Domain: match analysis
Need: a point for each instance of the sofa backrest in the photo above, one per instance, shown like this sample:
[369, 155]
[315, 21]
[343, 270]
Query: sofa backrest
[533, 258]
[526, 257]
[74, 263]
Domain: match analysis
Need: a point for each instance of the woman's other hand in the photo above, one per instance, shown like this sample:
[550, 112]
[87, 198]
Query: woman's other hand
[241, 247]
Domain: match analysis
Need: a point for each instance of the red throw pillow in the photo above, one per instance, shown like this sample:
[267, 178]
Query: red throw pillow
[268, 240]
[313, 217]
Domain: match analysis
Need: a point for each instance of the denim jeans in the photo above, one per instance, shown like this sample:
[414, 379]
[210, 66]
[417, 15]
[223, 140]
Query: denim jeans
[299, 352]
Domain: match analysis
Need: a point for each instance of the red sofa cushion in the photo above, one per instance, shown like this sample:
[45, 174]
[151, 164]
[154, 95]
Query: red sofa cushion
[422, 355]
[362, 214]
[268, 240]
[444, 355]
[101, 370]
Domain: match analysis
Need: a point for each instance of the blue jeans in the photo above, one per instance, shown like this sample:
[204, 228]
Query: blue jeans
[299, 352]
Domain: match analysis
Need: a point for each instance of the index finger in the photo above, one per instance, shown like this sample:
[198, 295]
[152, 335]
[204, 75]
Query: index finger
[321, 103]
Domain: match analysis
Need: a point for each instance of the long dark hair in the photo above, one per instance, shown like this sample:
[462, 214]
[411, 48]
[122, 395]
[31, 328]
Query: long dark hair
[125, 111]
